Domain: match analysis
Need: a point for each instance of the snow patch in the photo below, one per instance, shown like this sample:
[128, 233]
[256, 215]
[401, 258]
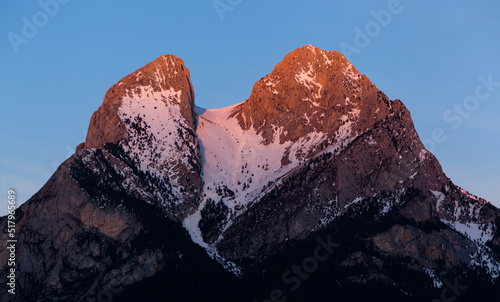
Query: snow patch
[423, 155]
[473, 231]
[439, 198]
[432, 274]
[371, 141]
[484, 257]
[191, 225]
[349, 71]
[308, 79]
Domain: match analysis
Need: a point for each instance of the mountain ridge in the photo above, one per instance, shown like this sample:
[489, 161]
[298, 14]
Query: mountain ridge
[316, 150]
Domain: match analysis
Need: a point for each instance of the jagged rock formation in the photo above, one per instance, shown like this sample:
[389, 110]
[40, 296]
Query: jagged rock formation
[166, 75]
[316, 155]
[149, 114]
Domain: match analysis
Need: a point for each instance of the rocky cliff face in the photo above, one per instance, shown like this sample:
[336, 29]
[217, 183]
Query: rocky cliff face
[316, 154]
[165, 76]
[311, 90]
[84, 237]
[149, 115]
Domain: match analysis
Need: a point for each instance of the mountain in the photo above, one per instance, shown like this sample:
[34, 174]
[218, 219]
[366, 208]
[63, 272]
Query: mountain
[316, 188]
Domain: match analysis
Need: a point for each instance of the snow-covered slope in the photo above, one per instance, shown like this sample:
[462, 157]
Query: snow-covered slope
[237, 167]
[159, 138]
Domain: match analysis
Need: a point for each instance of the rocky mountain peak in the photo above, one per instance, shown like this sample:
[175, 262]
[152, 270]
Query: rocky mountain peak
[149, 116]
[165, 75]
[312, 90]
[314, 61]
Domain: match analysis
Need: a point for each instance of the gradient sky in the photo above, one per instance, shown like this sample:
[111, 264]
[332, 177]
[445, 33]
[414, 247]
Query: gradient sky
[429, 55]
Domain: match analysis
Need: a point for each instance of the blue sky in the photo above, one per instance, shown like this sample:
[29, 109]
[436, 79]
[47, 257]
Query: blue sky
[57, 63]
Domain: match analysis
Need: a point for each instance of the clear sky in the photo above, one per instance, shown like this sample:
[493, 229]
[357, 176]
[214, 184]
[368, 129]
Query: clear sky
[441, 58]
